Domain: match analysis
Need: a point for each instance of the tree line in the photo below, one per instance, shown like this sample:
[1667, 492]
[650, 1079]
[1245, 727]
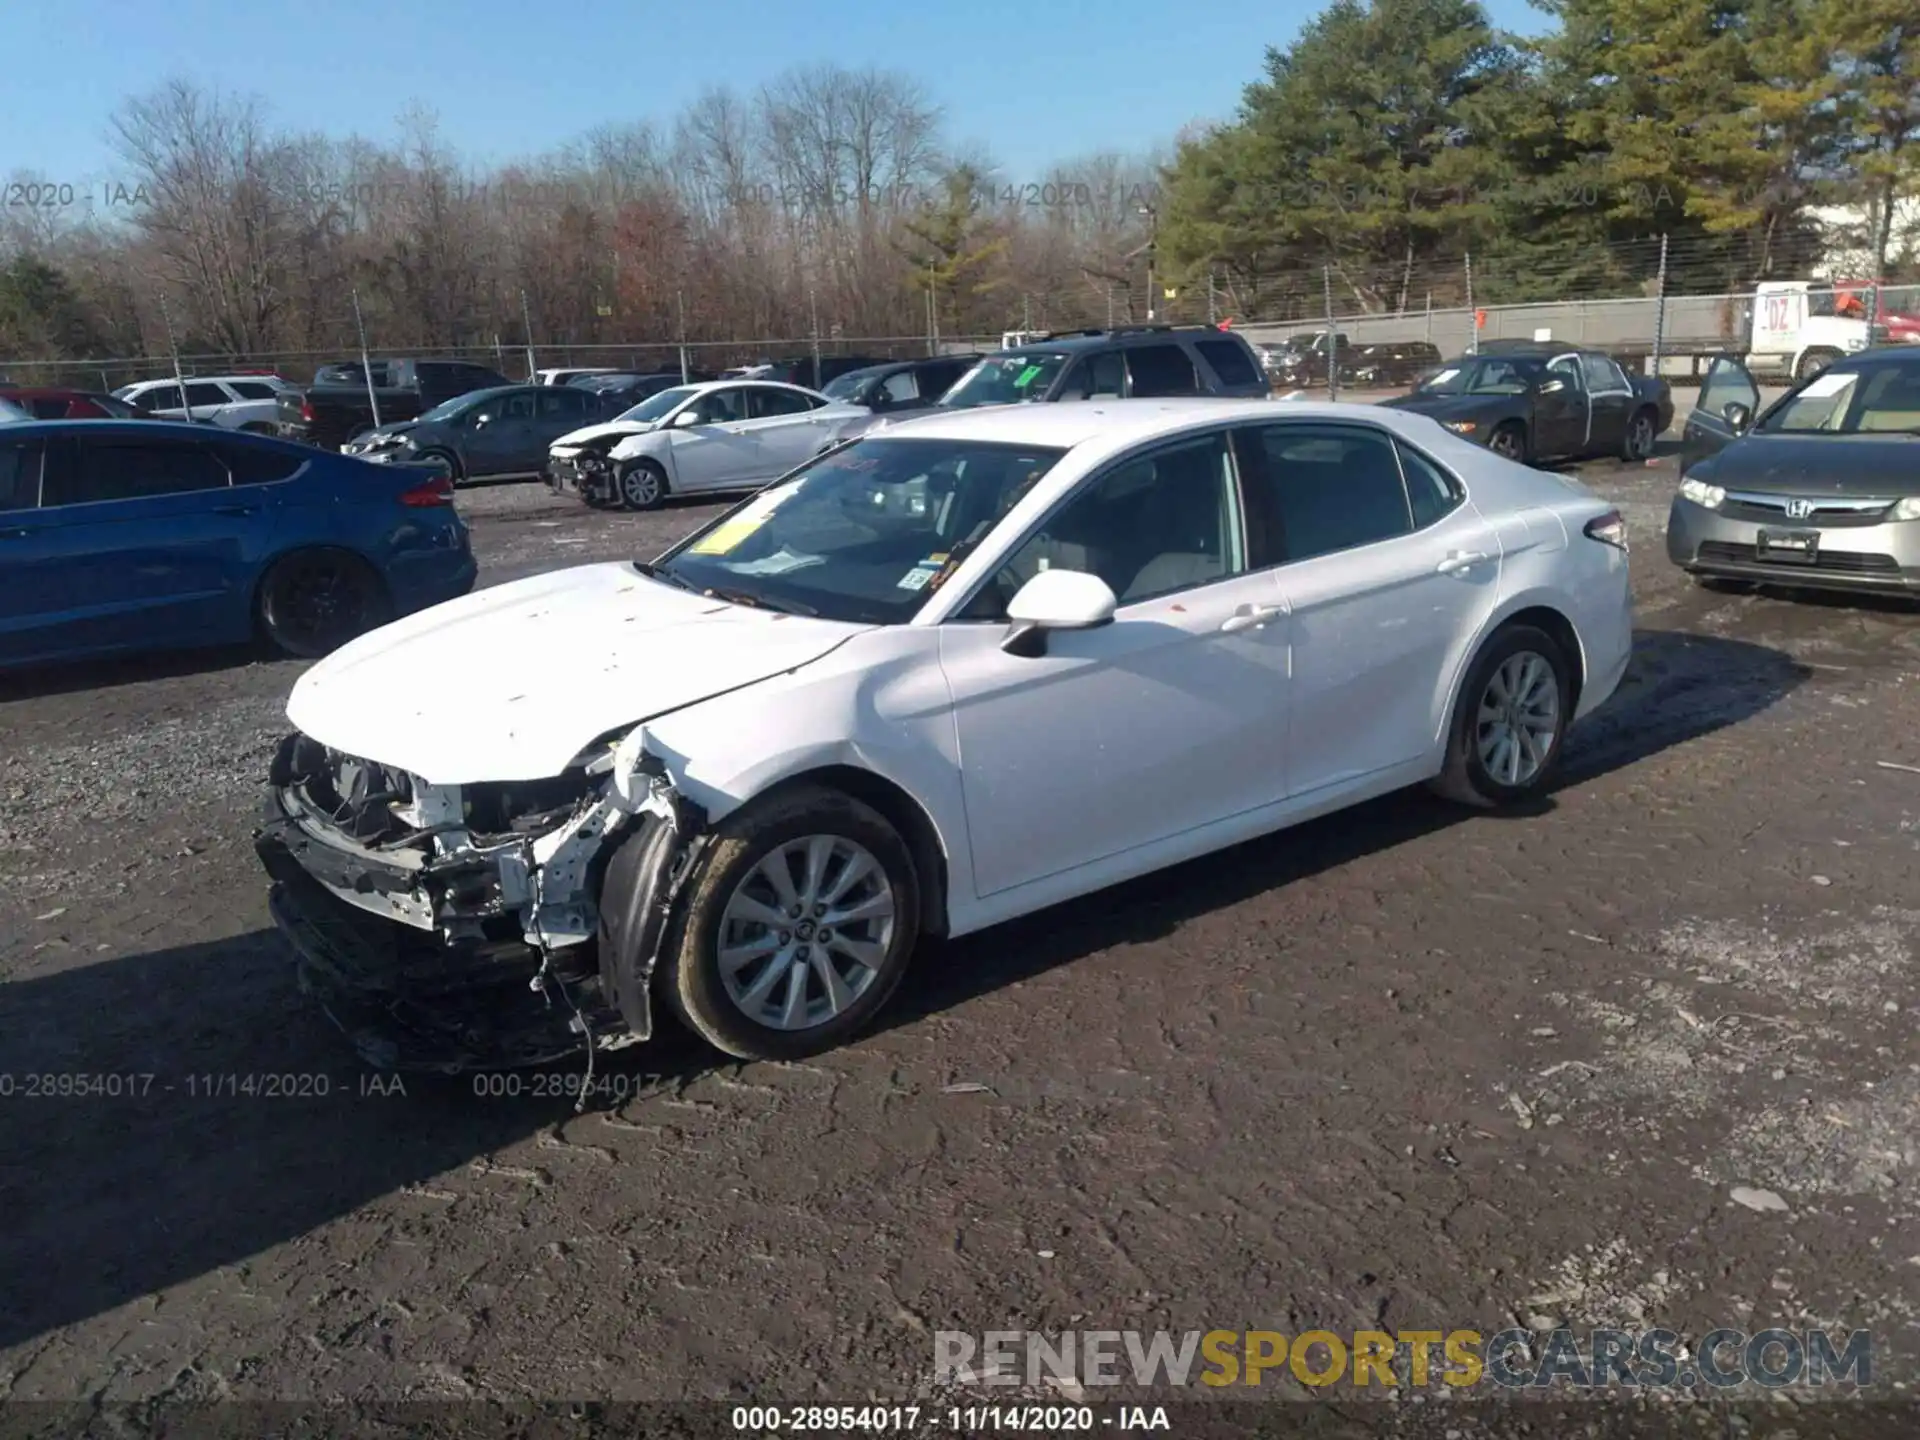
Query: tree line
[1397, 153]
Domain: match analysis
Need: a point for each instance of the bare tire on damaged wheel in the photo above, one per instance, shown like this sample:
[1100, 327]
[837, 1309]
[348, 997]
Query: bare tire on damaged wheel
[1510, 722]
[1510, 442]
[313, 601]
[798, 924]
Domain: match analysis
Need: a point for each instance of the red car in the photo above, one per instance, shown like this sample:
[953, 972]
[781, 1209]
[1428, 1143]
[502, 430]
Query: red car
[50, 403]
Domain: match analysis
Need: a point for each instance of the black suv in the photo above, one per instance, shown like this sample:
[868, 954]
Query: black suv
[1140, 362]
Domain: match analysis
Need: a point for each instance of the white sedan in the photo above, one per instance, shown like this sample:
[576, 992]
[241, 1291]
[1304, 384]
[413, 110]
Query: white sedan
[719, 436]
[970, 667]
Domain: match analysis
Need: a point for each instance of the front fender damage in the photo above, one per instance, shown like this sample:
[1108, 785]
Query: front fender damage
[415, 910]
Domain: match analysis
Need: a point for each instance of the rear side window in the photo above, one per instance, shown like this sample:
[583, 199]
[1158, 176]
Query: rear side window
[251, 389]
[258, 464]
[1331, 487]
[1161, 370]
[565, 402]
[1430, 490]
[1229, 360]
[19, 474]
[104, 469]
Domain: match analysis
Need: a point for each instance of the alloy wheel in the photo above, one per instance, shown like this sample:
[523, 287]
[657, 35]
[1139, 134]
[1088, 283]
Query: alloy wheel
[1506, 443]
[640, 487]
[805, 932]
[1519, 718]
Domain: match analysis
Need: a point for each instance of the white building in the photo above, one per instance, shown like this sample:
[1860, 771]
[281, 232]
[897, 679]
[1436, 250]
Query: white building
[1848, 235]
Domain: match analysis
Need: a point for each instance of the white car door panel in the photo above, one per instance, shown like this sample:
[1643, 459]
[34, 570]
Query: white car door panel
[1387, 571]
[721, 451]
[1170, 718]
[1377, 637]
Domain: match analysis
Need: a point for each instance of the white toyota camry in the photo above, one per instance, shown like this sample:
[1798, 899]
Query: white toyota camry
[943, 676]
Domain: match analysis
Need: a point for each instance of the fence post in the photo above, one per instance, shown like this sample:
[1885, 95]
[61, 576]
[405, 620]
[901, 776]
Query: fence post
[680, 308]
[1333, 349]
[526, 319]
[1473, 316]
[1660, 308]
[813, 325]
[366, 363]
[1213, 316]
[1429, 332]
[173, 349]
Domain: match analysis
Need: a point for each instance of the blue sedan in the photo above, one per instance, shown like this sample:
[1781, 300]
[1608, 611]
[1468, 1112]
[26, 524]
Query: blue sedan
[119, 536]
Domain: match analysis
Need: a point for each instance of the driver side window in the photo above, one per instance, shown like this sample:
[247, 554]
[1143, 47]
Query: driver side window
[1567, 368]
[718, 407]
[1160, 522]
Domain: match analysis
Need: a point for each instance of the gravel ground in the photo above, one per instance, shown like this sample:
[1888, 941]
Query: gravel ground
[1399, 1069]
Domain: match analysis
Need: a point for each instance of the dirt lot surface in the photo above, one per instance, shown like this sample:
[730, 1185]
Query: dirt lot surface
[1400, 1069]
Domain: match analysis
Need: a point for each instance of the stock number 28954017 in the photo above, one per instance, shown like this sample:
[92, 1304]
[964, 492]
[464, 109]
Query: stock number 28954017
[827, 1419]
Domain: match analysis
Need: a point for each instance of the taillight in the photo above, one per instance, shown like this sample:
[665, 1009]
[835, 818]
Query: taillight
[1608, 529]
[306, 411]
[437, 491]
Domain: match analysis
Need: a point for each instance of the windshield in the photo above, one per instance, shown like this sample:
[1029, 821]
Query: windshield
[1883, 399]
[866, 533]
[657, 407]
[1481, 377]
[1006, 379]
[844, 387]
[449, 409]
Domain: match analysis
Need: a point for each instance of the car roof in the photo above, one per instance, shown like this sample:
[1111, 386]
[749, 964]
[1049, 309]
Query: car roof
[1118, 424]
[702, 386]
[1078, 341]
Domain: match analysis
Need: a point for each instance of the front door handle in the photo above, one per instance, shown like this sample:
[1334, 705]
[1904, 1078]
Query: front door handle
[1461, 560]
[16, 534]
[1251, 617]
[236, 509]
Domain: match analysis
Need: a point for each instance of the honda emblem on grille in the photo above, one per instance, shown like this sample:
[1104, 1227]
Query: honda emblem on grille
[1799, 509]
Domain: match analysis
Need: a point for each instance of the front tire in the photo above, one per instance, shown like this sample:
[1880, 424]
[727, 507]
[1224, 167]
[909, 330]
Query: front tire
[1813, 362]
[1637, 446]
[313, 601]
[1510, 723]
[799, 924]
[641, 486]
[446, 459]
[1509, 442]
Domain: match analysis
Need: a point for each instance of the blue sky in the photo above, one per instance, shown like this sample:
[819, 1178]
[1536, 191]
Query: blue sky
[1032, 82]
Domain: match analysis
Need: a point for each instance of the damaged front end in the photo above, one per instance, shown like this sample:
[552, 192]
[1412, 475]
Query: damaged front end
[455, 928]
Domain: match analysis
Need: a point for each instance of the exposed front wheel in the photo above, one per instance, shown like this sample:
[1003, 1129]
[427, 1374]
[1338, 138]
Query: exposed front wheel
[1638, 444]
[1509, 442]
[1510, 721]
[443, 462]
[642, 486]
[314, 601]
[799, 924]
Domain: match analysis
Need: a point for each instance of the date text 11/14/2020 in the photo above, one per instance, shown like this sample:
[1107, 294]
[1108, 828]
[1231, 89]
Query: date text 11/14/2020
[964, 1419]
[199, 1085]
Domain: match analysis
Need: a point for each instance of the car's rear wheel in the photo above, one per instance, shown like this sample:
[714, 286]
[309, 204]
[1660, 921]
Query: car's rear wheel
[1638, 443]
[798, 926]
[642, 485]
[445, 461]
[1509, 442]
[314, 601]
[1510, 722]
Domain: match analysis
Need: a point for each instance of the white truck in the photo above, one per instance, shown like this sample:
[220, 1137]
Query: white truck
[1799, 327]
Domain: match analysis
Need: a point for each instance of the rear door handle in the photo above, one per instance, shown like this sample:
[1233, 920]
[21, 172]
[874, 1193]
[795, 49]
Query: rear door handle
[15, 534]
[1461, 560]
[1251, 617]
[236, 509]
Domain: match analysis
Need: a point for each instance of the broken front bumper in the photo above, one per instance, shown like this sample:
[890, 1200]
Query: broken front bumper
[448, 956]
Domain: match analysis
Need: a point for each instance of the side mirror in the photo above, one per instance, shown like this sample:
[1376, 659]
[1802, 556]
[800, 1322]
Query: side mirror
[1056, 600]
[1739, 417]
[685, 419]
[480, 420]
[1552, 387]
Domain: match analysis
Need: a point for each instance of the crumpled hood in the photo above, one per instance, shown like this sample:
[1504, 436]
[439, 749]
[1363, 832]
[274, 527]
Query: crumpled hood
[605, 430]
[513, 682]
[391, 431]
